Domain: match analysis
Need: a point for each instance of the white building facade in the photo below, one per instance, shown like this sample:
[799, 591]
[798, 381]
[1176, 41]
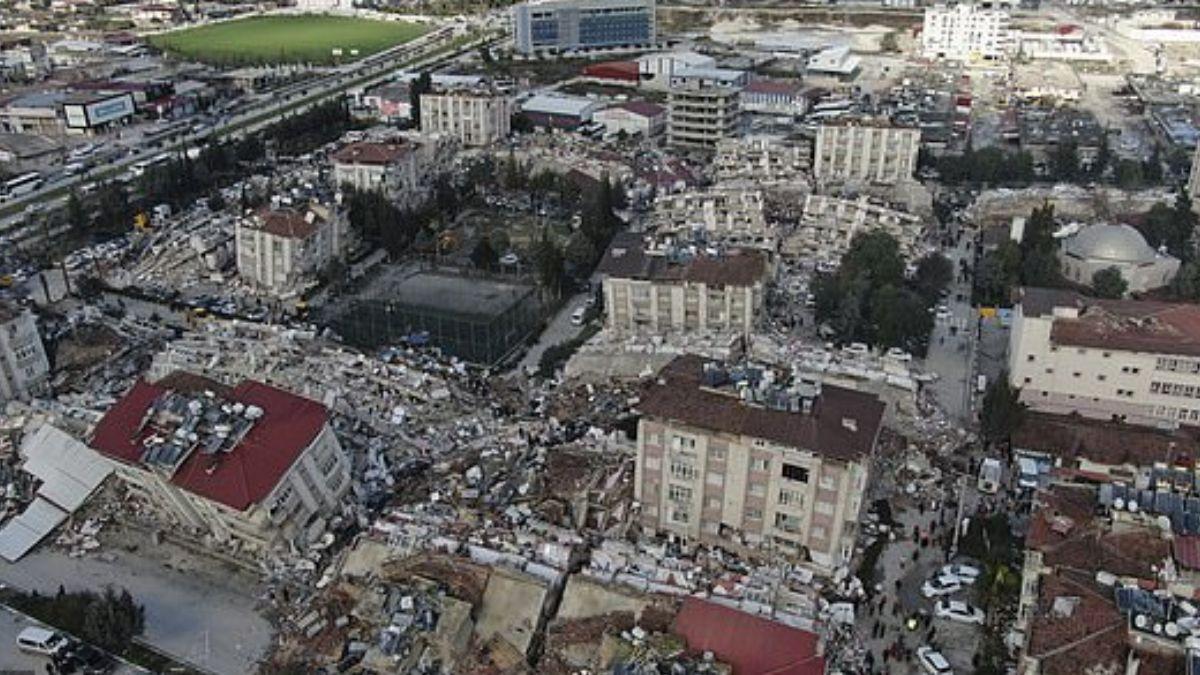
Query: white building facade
[281, 250]
[967, 31]
[24, 368]
[472, 117]
[865, 151]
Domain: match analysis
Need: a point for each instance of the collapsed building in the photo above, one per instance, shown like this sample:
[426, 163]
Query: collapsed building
[828, 225]
[734, 216]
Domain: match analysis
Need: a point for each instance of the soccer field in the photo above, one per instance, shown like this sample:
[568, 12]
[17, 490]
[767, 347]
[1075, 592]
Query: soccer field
[286, 39]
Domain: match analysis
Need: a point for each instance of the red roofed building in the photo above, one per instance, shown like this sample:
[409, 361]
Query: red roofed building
[404, 169]
[634, 118]
[613, 72]
[750, 644]
[281, 249]
[250, 466]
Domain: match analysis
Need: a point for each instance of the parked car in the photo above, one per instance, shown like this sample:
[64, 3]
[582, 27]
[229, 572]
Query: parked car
[42, 641]
[897, 354]
[84, 660]
[957, 610]
[578, 316]
[941, 585]
[933, 662]
[856, 349]
[942, 312]
[967, 574]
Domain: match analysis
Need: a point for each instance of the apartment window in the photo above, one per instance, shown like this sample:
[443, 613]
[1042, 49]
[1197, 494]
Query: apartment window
[715, 479]
[716, 452]
[1029, 358]
[713, 502]
[753, 514]
[791, 498]
[680, 516]
[1049, 371]
[1082, 351]
[683, 471]
[679, 493]
[787, 523]
[758, 490]
[760, 464]
[796, 473]
[683, 444]
[653, 463]
[1028, 380]
[824, 508]
[1102, 377]
[818, 532]
[329, 462]
[1106, 354]
[1076, 374]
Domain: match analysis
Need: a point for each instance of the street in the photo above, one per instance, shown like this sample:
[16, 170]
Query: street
[13, 660]
[216, 628]
[950, 343]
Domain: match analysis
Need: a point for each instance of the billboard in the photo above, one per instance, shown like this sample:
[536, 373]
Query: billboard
[99, 112]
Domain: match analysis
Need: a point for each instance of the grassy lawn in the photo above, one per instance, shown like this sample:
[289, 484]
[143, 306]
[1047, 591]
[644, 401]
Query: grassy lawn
[307, 38]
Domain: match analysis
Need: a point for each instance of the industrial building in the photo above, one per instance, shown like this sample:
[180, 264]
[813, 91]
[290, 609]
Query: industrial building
[574, 25]
[1131, 360]
[634, 118]
[480, 320]
[249, 467]
[658, 291]
[559, 111]
[93, 113]
[728, 454]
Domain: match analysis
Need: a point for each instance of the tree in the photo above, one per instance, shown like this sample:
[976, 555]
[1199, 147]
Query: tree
[1128, 174]
[1103, 157]
[580, 252]
[422, 85]
[1108, 283]
[1186, 284]
[549, 262]
[1002, 411]
[998, 272]
[934, 274]
[1064, 161]
[483, 255]
[875, 255]
[889, 43]
[76, 215]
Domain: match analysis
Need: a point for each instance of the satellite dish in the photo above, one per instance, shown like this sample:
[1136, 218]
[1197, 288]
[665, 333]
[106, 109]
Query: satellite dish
[1119, 504]
[1133, 506]
[1172, 630]
[1140, 621]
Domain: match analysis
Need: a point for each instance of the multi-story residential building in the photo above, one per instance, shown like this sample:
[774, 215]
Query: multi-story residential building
[764, 159]
[250, 467]
[828, 224]
[282, 249]
[658, 69]
[573, 25]
[24, 368]
[701, 115]
[474, 117]
[1133, 360]
[754, 456]
[404, 170]
[661, 291]
[967, 31]
[733, 216]
[865, 151]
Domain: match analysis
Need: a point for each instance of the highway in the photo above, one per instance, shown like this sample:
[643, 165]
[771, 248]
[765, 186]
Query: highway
[18, 227]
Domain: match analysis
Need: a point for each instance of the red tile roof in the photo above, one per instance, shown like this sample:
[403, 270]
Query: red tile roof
[627, 258]
[750, 644]
[1186, 548]
[1071, 438]
[678, 395]
[250, 470]
[1130, 325]
[1086, 632]
[371, 153]
[288, 223]
[613, 70]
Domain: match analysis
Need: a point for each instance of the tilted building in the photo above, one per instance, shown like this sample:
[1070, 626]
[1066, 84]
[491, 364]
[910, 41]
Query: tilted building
[24, 368]
[250, 467]
[281, 250]
[662, 291]
[402, 170]
[749, 456]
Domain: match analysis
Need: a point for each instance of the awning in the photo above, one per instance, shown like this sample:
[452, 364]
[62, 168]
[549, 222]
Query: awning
[69, 470]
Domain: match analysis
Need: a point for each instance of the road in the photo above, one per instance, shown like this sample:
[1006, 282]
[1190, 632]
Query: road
[291, 99]
[13, 660]
[950, 344]
[216, 628]
[558, 330]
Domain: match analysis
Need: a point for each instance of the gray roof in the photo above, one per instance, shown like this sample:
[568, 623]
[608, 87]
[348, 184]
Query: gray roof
[1115, 243]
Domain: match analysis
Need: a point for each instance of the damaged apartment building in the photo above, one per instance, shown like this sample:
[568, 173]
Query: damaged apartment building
[249, 467]
[663, 290]
[733, 216]
[764, 159]
[750, 456]
[281, 249]
[403, 169]
[24, 368]
[828, 224]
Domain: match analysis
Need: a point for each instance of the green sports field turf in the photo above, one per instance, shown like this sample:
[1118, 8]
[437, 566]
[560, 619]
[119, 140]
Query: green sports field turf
[309, 38]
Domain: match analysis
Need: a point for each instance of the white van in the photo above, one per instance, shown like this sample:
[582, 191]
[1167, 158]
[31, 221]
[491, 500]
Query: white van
[41, 641]
[991, 473]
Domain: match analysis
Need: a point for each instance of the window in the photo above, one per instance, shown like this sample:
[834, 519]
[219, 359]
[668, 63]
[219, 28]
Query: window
[653, 463]
[760, 464]
[1028, 380]
[753, 514]
[1102, 377]
[824, 508]
[758, 490]
[1029, 358]
[796, 473]
[1049, 371]
[683, 444]
[791, 498]
[329, 462]
[787, 523]
[1075, 374]
[679, 493]
[683, 471]
[716, 452]
[679, 515]
[713, 502]
[715, 479]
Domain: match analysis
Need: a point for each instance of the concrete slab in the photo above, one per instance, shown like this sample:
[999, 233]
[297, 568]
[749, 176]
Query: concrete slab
[583, 599]
[512, 606]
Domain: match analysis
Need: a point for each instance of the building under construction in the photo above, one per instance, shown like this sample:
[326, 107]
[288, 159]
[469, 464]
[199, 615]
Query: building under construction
[478, 319]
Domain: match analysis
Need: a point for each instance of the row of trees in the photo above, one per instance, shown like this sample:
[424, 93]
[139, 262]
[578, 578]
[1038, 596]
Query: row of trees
[108, 620]
[868, 299]
[1031, 262]
[320, 124]
[1064, 164]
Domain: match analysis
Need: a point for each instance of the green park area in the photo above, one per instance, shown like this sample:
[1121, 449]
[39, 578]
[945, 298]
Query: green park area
[305, 38]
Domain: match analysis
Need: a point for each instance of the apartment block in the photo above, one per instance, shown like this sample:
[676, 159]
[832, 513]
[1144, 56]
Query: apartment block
[764, 159]
[865, 151]
[248, 468]
[751, 455]
[282, 249]
[679, 290]
[967, 31]
[24, 368]
[473, 117]
[571, 25]
[828, 224]
[1193, 184]
[399, 170]
[701, 115]
[1136, 361]
[730, 216]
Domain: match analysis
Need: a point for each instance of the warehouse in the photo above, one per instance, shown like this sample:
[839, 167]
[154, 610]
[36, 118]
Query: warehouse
[555, 111]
